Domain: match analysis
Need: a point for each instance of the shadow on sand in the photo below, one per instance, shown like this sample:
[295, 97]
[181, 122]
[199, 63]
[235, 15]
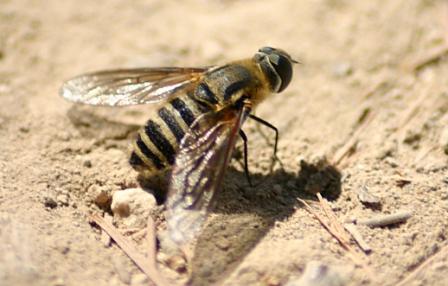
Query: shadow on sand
[243, 215]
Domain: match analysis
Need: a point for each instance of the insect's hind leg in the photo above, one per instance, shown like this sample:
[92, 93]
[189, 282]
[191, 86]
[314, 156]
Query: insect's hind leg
[246, 165]
[269, 125]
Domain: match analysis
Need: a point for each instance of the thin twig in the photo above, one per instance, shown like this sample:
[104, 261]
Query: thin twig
[341, 240]
[338, 232]
[353, 230]
[342, 233]
[105, 238]
[333, 219]
[430, 57]
[441, 254]
[374, 88]
[130, 251]
[324, 224]
[384, 220]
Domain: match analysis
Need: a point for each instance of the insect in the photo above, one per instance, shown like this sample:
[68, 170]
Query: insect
[194, 131]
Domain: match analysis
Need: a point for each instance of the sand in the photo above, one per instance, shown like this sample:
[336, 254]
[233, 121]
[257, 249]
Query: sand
[358, 77]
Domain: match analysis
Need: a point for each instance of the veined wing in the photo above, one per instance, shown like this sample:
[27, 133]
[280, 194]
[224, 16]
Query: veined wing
[199, 169]
[130, 86]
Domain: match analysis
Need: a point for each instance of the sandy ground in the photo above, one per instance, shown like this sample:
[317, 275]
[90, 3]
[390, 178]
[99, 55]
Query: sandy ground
[357, 59]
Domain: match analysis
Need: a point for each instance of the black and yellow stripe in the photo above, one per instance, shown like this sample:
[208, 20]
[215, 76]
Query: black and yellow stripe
[184, 108]
[143, 154]
[170, 120]
[157, 143]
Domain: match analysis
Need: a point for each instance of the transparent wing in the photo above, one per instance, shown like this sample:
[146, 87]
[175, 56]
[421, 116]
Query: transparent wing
[199, 169]
[129, 86]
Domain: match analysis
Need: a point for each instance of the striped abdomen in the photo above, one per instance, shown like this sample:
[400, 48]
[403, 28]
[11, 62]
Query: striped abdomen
[158, 141]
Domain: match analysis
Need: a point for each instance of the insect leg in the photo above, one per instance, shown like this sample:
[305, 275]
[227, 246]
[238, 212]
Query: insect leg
[267, 124]
[246, 165]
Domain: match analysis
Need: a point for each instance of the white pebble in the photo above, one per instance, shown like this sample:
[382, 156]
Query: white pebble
[133, 206]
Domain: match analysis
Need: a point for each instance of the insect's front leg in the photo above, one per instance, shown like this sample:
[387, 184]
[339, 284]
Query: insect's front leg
[269, 125]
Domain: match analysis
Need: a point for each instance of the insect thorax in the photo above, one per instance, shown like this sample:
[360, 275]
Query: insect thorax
[225, 85]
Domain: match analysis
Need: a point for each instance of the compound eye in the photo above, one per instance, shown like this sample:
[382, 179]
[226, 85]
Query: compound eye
[283, 67]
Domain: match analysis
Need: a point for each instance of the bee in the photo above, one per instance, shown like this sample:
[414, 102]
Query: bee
[195, 129]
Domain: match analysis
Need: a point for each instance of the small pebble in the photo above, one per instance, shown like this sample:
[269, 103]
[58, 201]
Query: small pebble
[366, 197]
[24, 129]
[391, 162]
[132, 206]
[102, 197]
[342, 69]
[64, 136]
[177, 263]
[87, 163]
[401, 182]
[50, 202]
[62, 200]
[412, 137]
